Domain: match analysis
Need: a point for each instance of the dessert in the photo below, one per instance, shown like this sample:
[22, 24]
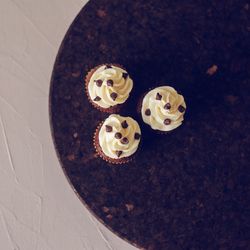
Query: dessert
[163, 108]
[117, 139]
[108, 86]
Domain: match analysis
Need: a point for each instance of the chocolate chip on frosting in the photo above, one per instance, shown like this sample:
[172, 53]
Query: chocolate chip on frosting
[99, 83]
[118, 135]
[181, 109]
[108, 128]
[125, 75]
[147, 112]
[158, 96]
[167, 106]
[167, 121]
[124, 140]
[137, 136]
[108, 66]
[113, 96]
[124, 124]
[118, 153]
[110, 83]
[97, 99]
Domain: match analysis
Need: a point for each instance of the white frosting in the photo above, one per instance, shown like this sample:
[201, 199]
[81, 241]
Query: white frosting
[158, 113]
[122, 86]
[110, 145]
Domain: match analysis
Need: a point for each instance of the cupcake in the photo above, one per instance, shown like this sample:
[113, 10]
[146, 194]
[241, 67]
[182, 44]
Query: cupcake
[117, 139]
[108, 86]
[163, 109]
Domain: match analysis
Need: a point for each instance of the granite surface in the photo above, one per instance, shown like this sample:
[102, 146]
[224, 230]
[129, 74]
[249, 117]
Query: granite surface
[185, 190]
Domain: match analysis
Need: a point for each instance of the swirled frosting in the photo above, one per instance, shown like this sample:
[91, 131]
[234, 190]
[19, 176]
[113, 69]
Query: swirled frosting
[109, 85]
[163, 108]
[119, 136]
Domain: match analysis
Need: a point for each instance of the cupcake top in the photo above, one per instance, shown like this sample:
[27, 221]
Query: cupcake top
[119, 136]
[109, 85]
[163, 108]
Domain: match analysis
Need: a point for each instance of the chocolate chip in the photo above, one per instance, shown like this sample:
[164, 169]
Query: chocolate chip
[110, 83]
[167, 121]
[158, 96]
[181, 109]
[113, 96]
[97, 99]
[98, 83]
[147, 112]
[124, 140]
[124, 124]
[108, 128]
[118, 135]
[137, 136]
[108, 66]
[118, 153]
[167, 106]
[125, 75]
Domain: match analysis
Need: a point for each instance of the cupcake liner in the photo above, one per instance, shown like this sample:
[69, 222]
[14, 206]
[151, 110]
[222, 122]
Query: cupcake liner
[139, 105]
[105, 157]
[114, 109]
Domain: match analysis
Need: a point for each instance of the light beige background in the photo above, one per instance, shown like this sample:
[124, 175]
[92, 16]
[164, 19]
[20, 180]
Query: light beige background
[38, 208]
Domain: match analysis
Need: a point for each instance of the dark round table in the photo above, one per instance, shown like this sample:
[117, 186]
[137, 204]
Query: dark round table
[185, 190]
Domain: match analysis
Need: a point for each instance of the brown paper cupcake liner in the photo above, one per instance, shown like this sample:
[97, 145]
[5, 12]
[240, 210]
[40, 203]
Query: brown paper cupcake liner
[105, 157]
[113, 109]
[139, 105]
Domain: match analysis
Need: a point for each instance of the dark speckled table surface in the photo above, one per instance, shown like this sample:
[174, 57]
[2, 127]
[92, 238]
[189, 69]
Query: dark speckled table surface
[186, 190]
